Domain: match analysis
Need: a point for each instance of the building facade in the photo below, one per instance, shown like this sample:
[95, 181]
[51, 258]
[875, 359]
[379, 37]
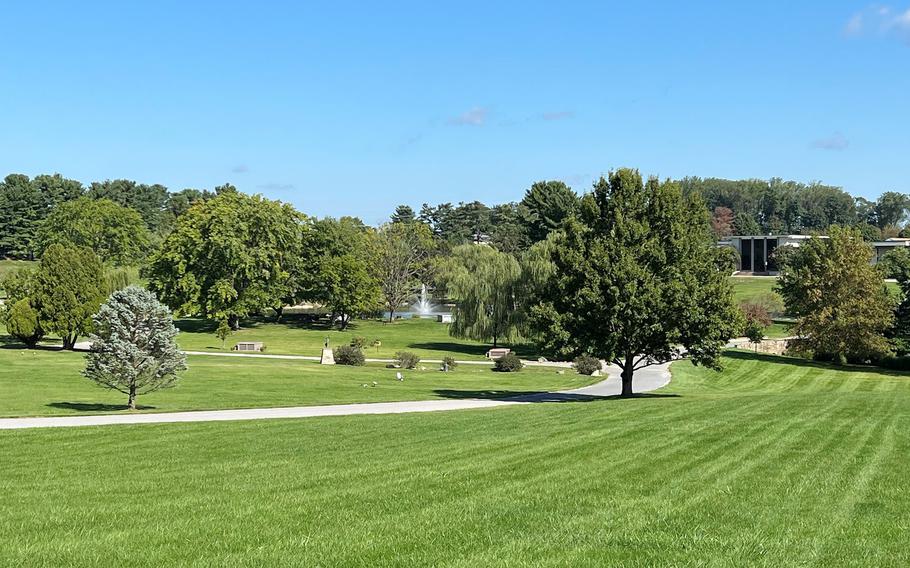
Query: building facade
[756, 252]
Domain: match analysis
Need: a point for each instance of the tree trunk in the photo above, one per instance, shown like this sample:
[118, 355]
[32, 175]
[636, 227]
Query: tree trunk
[627, 372]
[279, 311]
[131, 404]
[392, 314]
[234, 322]
[69, 342]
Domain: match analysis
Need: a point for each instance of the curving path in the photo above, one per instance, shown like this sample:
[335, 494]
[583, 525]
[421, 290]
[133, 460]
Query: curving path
[647, 379]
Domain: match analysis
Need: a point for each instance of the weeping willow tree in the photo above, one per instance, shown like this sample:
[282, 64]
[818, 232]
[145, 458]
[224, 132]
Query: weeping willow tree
[485, 285]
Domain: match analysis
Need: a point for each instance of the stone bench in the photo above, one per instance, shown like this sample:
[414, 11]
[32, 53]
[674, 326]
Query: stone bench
[498, 352]
[248, 346]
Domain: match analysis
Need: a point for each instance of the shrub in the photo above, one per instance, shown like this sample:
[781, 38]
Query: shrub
[359, 342]
[756, 312]
[895, 363]
[406, 359]
[22, 323]
[449, 362]
[508, 363]
[349, 355]
[586, 364]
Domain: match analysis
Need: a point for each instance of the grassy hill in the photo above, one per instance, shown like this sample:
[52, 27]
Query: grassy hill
[774, 462]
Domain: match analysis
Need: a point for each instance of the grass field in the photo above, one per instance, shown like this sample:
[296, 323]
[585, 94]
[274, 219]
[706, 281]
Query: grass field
[774, 462]
[34, 383]
[425, 337]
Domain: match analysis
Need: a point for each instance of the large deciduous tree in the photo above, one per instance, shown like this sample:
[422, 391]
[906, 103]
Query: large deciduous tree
[350, 288]
[227, 256]
[545, 206]
[116, 233]
[69, 287]
[134, 346]
[839, 299]
[637, 279]
[402, 251]
[485, 285]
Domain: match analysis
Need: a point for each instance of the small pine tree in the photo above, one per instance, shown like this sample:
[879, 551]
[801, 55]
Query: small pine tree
[223, 332]
[134, 346]
[22, 323]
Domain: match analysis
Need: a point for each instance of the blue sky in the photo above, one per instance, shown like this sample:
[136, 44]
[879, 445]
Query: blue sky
[352, 108]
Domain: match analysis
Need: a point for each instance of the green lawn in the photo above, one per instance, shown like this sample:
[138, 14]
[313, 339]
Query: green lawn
[34, 383]
[425, 337]
[775, 462]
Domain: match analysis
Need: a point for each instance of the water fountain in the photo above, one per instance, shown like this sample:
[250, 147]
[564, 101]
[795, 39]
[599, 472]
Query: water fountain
[424, 307]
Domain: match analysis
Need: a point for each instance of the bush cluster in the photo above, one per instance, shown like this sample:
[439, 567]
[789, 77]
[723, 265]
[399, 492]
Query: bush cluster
[586, 364]
[406, 359]
[508, 363]
[359, 342]
[895, 362]
[349, 355]
[449, 362]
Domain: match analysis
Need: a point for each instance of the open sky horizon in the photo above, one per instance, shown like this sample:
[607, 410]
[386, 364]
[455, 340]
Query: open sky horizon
[354, 108]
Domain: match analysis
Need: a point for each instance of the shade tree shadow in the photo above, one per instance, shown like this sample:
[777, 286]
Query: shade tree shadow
[94, 406]
[540, 396]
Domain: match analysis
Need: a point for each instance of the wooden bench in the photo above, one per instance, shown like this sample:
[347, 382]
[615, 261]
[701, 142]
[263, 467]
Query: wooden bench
[248, 346]
[497, 352]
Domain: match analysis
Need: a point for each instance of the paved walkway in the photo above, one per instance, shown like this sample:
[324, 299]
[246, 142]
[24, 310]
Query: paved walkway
[647, 379]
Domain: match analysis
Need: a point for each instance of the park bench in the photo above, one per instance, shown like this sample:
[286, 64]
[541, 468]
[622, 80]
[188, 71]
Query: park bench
[498, 352]
[248, 346]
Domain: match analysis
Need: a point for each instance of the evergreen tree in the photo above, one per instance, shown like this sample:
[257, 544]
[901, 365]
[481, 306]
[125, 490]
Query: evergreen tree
[545, 206]
[134, 345]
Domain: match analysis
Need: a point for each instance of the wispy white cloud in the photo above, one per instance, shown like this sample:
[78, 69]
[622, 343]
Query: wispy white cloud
[836, 142]
[881, 20]
[477, 116]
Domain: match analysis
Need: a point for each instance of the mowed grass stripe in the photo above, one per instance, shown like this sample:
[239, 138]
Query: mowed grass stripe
[733, 475]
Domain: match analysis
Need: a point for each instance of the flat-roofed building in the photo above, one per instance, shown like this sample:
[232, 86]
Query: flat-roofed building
[756, 252]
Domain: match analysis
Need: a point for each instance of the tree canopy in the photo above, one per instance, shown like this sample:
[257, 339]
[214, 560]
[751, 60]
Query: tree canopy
[227, 256]
[636, 279]
[545, 206]
[117, 234]
[486, 286]
[839, 299]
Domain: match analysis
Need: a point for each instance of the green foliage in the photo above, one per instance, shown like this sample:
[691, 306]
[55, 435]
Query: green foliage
[223, 331]
[228, 256]
[359, 341]
[21, 210]
[21, 321]
[544, 208]
[636, 277]
[149, 201]
[839, 298]
[449, 363]
[896, 264]
[134, 345]
[868, 231]
[115, 233]
[586, 364]
[754, 330]
[119, 277]
[403, 214]
[508, 363]
[485, 285]
[349, 355]
[69, 287]
[406, 359]
[350, 288]
[401, 261]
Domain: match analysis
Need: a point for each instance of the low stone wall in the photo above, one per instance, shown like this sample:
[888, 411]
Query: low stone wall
[769, 346]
